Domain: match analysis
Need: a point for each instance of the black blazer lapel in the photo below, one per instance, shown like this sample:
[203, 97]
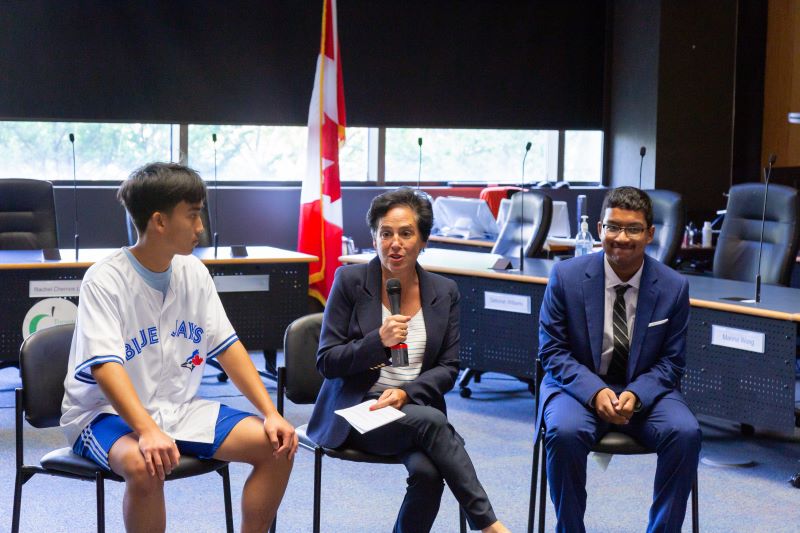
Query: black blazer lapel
[436, 312]
[368, 302]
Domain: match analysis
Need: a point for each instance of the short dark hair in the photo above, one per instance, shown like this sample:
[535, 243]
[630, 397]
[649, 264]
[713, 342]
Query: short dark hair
[630, 199]
[159, 187]
[418, 201]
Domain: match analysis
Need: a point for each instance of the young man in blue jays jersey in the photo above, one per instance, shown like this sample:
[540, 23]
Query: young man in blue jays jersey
[149, 318]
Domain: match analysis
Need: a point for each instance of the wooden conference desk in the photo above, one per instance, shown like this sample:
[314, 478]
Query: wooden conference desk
[262, 293]
[499, 333]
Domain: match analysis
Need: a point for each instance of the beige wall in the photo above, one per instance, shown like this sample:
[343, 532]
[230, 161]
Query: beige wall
[782, 83]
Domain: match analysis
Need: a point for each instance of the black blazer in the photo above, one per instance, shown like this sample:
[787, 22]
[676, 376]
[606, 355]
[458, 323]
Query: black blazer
[351, 353]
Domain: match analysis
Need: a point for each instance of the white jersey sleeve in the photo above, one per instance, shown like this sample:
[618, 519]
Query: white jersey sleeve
[98, 337]
[221, 334]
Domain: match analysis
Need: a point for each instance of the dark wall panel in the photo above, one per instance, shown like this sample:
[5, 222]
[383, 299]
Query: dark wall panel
[634, 92]
[696, 102]
[465, 63]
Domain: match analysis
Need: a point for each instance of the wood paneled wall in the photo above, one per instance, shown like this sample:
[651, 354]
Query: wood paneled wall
[782, 83]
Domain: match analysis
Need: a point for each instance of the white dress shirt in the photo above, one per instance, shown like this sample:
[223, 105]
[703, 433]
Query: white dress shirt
[631, 297]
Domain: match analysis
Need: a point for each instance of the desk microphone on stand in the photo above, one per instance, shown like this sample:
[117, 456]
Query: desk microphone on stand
[216, 197]
[419, 168]
[522, 211]
[642, 151]
[767, 176]
[75, 196]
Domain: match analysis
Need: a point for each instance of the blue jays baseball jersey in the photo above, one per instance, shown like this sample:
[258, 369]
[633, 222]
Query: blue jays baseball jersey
[162, 342]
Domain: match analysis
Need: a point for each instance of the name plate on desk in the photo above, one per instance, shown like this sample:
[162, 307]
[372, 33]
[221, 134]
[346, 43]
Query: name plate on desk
[246, 283]
[740, 339]
[54, 288]
[513, 303]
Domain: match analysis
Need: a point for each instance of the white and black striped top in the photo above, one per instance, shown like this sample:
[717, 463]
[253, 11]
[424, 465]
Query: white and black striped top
[395, 378]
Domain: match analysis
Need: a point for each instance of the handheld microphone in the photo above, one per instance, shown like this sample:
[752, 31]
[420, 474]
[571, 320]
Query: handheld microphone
[75, 196]
[419, 169]
[399, 351]
[642, 151]
[216, 197]
[767, 176]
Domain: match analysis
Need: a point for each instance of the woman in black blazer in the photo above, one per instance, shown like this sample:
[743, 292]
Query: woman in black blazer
[354, 357]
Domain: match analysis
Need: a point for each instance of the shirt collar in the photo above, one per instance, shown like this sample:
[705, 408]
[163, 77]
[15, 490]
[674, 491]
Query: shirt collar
[612, 280]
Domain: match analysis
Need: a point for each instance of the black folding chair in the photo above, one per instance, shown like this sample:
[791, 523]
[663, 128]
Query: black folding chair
[43, 361]
[612, 443]
[299, 381]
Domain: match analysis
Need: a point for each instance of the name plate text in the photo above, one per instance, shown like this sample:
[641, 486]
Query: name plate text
[513, 303]
[740, 339]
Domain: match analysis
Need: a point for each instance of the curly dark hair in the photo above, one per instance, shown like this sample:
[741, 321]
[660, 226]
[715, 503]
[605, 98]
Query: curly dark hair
[418, 201]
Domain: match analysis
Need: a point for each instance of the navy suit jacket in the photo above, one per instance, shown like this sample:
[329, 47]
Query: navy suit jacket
[351, 353]
[571, 332]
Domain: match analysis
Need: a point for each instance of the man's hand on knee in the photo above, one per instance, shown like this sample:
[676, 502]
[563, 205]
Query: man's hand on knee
[605, 403]
[281, 436]
[160, 452]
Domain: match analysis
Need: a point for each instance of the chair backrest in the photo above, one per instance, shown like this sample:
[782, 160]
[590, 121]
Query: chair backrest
[204, 238]
[493, 196]
[43, 362]
[669, 215]
[27, 215]
[736, 254]
[300, 344]
[527, 226]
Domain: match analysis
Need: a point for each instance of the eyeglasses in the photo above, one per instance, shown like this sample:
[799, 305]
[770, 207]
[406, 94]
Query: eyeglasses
[612, 230]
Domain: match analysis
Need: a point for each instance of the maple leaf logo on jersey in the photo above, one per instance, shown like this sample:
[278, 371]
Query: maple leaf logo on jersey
[193, 360]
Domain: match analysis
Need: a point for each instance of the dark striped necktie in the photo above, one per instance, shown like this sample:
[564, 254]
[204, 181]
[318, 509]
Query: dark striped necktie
[618, 369]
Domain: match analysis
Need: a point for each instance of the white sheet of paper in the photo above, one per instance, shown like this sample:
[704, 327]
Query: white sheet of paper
[360, 417]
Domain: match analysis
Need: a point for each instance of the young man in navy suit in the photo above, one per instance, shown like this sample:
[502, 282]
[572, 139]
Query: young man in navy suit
[612, 340]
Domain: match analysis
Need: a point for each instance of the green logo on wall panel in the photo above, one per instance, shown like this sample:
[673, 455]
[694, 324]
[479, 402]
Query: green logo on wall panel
[48, 313]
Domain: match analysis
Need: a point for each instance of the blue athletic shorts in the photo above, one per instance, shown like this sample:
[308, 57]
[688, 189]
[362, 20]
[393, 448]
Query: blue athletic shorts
[99, 436]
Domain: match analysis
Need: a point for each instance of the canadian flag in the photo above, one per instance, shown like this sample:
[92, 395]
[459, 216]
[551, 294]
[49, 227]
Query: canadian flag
[320, 228]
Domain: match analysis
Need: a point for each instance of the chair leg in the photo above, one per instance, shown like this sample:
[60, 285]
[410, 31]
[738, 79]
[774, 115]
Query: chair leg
[542, 485]
[99, 484]
[695, 507]
[317, 486]
[462, 520]
[534, 486]
[226, 492]
[17, 502]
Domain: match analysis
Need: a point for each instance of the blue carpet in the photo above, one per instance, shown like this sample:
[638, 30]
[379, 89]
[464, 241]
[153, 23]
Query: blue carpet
[497, 426]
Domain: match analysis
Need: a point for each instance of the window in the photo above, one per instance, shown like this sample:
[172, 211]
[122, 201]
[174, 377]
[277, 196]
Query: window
[102, 151]
[110, 151]
[268, 153]
[485, 156]
[583, 156]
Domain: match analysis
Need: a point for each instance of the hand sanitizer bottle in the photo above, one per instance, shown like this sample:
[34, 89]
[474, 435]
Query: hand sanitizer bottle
[583, 240]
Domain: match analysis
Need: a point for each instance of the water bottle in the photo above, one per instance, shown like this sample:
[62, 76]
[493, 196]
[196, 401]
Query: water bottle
[581, 209]
[583, 240]
[707, 234]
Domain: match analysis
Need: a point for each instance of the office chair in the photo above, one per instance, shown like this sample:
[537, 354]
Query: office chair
[204, 238]
[44, 357]
[613, 443]
[300, 381]
[528, 224]
[669, 215]
[27, 215]
[736, 254]
[493, 196]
